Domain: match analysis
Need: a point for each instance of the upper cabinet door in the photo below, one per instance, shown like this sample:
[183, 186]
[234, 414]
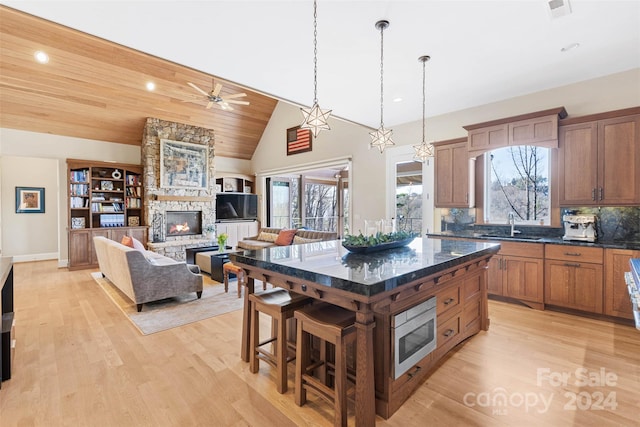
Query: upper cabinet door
[578, 164]
[599, 163]
[619, 161]
[453, 176]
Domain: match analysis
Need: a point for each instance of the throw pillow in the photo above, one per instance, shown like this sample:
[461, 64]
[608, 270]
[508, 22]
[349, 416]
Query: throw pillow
[285, 237]
[267, 237]
[127, 241]
[298, 240]
[137, 244]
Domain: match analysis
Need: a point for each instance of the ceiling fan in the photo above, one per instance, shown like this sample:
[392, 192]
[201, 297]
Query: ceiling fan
[223, 101]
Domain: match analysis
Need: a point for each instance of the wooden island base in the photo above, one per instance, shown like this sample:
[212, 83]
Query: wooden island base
[461, 291]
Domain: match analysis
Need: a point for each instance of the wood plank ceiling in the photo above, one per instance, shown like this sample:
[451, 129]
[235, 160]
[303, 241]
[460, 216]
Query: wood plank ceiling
[95, 89]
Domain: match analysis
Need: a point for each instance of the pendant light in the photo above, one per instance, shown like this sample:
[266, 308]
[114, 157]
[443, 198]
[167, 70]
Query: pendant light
[381, 137]
[423, 150]
[315, 118]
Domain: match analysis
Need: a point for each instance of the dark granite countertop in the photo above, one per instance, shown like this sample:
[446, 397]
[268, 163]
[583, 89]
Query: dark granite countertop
[536, 239]
[328, 263]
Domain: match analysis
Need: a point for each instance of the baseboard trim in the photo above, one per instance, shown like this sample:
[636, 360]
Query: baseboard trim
[35, 257]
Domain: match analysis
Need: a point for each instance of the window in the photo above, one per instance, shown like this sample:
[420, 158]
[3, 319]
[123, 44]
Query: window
[409, 196]
[517, 180]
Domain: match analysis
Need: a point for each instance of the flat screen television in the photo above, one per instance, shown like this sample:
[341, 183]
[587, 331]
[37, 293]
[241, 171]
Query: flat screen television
[236, 206]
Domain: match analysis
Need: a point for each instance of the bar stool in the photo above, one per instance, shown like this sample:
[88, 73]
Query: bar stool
[230, 268]
[332, 325]
[280, 305]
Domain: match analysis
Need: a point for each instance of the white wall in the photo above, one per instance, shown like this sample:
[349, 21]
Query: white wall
[344, 139]
[39, 160]
[608, 93]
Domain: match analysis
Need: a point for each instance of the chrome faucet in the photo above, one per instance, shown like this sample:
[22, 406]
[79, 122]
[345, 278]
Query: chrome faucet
[512, 223]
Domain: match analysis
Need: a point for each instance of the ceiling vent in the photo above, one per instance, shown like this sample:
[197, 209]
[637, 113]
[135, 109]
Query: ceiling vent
[558, 8]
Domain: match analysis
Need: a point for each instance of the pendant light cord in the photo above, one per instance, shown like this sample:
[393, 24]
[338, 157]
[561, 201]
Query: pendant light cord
[382, 27]
[315, 53]
[424, 101]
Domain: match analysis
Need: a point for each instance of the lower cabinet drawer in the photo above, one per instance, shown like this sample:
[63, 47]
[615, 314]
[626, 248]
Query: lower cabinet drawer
[448, 333]
[447, 300]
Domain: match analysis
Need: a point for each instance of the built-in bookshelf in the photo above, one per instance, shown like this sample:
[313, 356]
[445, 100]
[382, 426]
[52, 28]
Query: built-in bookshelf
[104, 199]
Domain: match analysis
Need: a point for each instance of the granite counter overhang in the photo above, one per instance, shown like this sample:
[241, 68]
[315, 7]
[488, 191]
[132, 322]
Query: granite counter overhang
[365, 275]
[605, 244]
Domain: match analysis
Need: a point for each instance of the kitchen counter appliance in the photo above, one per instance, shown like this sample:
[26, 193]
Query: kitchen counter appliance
[580, 227]
[633, 286]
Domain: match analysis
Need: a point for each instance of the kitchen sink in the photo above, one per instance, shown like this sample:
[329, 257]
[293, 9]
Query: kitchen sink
[504, 236]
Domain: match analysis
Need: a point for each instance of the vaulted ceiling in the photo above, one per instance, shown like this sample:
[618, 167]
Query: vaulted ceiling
[95, 89]
[482, 52]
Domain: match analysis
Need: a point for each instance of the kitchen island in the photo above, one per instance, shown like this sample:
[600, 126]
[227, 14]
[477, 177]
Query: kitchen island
[377, 286]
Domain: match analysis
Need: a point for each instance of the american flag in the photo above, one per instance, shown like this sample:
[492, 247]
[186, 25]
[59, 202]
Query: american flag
[298, 140]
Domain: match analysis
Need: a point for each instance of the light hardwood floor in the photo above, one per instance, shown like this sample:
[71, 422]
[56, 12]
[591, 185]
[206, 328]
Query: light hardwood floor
[80, 362]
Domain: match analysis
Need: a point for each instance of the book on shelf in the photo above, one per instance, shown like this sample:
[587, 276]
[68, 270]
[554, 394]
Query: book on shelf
[80, 175]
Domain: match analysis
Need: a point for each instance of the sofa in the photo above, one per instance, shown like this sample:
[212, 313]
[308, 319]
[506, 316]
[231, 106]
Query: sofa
[145, 276]
[268, 236]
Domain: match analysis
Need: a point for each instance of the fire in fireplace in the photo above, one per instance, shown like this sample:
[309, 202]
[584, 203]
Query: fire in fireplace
[183, 223]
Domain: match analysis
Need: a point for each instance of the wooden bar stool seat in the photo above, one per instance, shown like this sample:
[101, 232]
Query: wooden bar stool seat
[332, 325]
[280, 304]
[228, 268]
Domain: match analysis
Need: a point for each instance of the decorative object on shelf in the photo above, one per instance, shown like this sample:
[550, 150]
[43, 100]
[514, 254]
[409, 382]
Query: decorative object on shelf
[158, 228]
[423, 150]
[378, 242]
[209, 231]
[298, 140]
[315, 118]
[218, 188]
[183, 165]
[78, 222]
[29, 200]
[228, 186]
[106, 185]
[116, 174]
[381, 137]
[222, 241]
[247, 189]
[133, 221]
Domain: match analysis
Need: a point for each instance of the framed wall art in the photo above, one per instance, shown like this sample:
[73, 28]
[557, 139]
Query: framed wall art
[298, 140]
[183, 165]
[29, 200]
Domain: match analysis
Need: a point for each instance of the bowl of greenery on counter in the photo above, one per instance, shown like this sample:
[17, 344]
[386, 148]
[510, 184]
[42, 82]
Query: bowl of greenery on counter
[364, 244]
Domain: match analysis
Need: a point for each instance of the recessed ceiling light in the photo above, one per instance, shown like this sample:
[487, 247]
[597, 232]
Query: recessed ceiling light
[569, 47]
[151, 86]
[41, 57]
[397, 99]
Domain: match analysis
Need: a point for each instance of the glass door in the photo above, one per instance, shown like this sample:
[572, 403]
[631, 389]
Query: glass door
[280, 207]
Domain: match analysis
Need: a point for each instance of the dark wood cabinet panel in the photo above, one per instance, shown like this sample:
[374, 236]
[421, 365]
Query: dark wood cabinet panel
[595, 158]
[453, 171]
[574, 285]
[616, 296]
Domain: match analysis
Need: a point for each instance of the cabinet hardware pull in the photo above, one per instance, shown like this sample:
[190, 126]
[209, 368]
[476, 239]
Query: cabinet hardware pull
[411, 374]
[449, 301]
[572, 264]
[593, 194]
[601, 193]
[572, 253]
[449, 332]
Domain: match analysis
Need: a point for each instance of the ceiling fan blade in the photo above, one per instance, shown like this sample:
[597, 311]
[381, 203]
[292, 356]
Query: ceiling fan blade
[235, 95]
[216, 90]
[210, 104]
[198, 89]
[233, 101]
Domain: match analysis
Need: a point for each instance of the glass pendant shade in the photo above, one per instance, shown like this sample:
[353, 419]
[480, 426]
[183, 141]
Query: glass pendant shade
[423, 150]
[381, 137]
[315, 118]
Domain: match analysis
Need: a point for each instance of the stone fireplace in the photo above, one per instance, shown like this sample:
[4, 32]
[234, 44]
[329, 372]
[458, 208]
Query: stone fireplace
[162, 205]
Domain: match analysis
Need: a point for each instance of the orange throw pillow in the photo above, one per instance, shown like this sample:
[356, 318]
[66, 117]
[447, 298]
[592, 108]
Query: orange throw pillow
[285, 237]
[127, 241]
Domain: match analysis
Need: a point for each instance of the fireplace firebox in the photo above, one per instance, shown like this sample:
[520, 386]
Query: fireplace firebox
[183, 223]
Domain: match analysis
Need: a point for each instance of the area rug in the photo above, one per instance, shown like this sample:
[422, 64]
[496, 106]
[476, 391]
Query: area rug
[173, 312]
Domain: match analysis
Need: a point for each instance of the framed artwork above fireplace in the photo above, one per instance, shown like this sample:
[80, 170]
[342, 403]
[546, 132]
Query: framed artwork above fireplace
[183, 165]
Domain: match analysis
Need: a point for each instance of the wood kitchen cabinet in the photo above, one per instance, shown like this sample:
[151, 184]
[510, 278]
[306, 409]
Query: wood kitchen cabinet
[599, 162]
[454, 173]
[517, 272]
[574, 277]
[616, 296]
